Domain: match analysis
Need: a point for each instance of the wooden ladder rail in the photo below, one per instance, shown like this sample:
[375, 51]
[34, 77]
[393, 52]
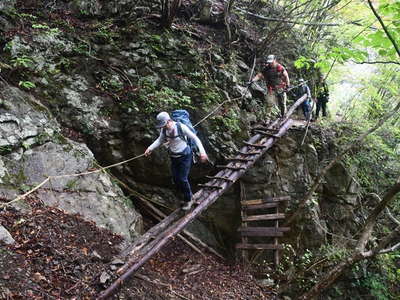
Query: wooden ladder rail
[205, 199]
[275, 232]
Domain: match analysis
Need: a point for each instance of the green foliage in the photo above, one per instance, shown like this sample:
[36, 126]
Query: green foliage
[152, 98]
[112, 84]
[383, 285]
[72, 184]
[106, 32]
[27, 85]
[40, 26]
[46, 28]
[5, 149]
[82, 48]
[22, 61]
[303, 62]
[333, 253]
[228, 122]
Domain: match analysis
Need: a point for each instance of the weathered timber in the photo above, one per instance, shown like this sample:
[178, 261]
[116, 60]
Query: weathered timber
[254, 145]
[159, 215]
[264, 128]
[154, 231]
[265, 200]
[205, 199]
[220, 178]
[249, 153]
[211, 186]
[259, 246]
[266, 233]
[261, 206]
[293, 108]
[261, 229]
[243, 213]
[265, 133]
[264, 217]
[231, 168]
[239, 159]
[276, 241]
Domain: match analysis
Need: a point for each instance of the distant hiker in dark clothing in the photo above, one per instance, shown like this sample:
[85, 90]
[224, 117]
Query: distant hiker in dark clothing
[306, 105]
[322, 97]
[276, 79]
[180, 153]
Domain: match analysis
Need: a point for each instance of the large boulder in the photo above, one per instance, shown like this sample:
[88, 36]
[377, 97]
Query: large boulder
[7, 4]
[5, 236]
[33, 150]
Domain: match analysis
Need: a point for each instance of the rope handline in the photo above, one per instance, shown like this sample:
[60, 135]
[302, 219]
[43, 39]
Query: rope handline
[68, 175]
[101, 168]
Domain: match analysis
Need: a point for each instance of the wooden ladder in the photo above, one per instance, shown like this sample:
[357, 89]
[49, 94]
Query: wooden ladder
[155, 238]
[248, 233]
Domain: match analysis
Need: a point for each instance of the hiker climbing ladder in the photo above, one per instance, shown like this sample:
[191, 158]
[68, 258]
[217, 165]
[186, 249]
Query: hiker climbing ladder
[248, 232]
[153, 240]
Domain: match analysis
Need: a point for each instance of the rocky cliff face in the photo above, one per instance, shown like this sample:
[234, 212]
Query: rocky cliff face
[33, 150]
[82, 91]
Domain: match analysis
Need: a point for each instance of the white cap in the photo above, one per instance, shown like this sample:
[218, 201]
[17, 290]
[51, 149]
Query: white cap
[162, 119]
[270, 58]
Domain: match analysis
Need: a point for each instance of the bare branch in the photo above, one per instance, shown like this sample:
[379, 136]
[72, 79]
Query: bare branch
[391, 249]
[286, 20]
[371, 221]
[376, 62]
[397, 222]
[384, 28]
[356, 142]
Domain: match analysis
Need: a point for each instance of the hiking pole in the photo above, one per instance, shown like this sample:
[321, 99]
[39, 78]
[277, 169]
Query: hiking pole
[251, 76]
[295, 86]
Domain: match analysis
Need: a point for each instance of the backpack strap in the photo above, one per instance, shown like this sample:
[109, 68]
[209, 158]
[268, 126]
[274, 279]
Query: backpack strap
[180, 133]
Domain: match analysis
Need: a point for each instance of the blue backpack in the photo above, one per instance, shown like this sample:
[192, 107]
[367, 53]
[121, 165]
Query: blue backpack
[181, 116]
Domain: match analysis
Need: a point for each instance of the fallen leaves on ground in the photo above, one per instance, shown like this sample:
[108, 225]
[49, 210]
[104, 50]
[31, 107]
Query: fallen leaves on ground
[62, 256]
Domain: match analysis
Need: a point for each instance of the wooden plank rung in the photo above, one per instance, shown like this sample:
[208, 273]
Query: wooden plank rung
[230, 168]
[249, 153]
[240, 159]
[262, 229]
[265, 200]
[254, 145]
[264, 217]
[261, 206]
[266, 133]
[266, 233]
[259, 246]
[220, 178]
[264, 128]
[210, 186]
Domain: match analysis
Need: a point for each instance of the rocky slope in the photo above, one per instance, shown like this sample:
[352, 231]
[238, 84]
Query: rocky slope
[80, 88]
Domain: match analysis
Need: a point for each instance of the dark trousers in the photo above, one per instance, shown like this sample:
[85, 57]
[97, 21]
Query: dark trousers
[321, 103]
[180, 167]
[281, 102]
[306, 107]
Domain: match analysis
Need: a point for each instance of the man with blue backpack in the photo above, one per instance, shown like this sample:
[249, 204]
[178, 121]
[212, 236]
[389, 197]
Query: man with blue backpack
[181, 138]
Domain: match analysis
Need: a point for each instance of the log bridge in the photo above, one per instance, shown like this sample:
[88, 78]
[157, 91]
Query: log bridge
[154, 239]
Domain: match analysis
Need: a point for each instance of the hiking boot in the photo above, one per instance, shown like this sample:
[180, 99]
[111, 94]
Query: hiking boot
[188, 205]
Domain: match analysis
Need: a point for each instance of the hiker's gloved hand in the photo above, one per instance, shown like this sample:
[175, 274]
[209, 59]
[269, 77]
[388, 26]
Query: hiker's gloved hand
[249, 83]
[203, 158]
[147, 152]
